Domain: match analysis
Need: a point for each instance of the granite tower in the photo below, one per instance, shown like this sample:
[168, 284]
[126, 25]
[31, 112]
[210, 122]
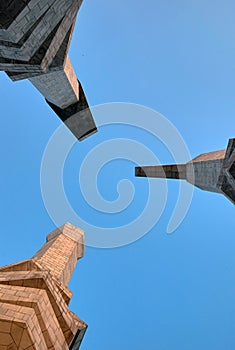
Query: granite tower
[35, 36]
[34, 296]
[213, 171]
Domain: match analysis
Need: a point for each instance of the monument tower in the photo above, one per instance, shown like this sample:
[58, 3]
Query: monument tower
[35, 36]
[34, 296]
[213, 171]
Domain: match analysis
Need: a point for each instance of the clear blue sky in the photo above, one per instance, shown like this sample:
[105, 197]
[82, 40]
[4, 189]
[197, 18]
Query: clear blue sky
[165, 292]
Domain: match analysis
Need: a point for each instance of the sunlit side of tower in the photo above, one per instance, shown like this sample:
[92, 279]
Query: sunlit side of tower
[34, 296]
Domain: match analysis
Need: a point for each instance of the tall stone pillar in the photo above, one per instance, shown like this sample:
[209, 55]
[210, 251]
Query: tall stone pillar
[212, 171]
[35, 37]
[34, 296]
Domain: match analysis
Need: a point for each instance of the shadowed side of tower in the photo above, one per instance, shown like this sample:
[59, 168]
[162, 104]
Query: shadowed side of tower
[34, 296]
[162, 171]
[212, 171]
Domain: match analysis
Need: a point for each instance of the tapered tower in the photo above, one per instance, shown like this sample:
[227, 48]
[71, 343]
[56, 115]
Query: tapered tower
[34, 296]
[35, 36]
[213, 171]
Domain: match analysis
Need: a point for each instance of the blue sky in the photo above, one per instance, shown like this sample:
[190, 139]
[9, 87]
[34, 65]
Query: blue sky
[165, 292]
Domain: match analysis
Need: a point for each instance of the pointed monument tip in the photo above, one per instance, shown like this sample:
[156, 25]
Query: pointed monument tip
[136, 171]
[139, 172]
[68, 225]
[69, 230]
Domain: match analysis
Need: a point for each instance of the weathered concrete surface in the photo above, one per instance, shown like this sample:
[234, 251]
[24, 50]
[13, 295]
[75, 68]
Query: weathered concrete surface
[212, 171]
[34, 40]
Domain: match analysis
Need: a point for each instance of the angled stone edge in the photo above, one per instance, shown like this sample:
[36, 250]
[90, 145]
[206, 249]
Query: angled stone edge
[25, 318]
[76, 342]
[38, 303]
[77, 117]
[43, 281]
[30, 265]
[226, 182]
